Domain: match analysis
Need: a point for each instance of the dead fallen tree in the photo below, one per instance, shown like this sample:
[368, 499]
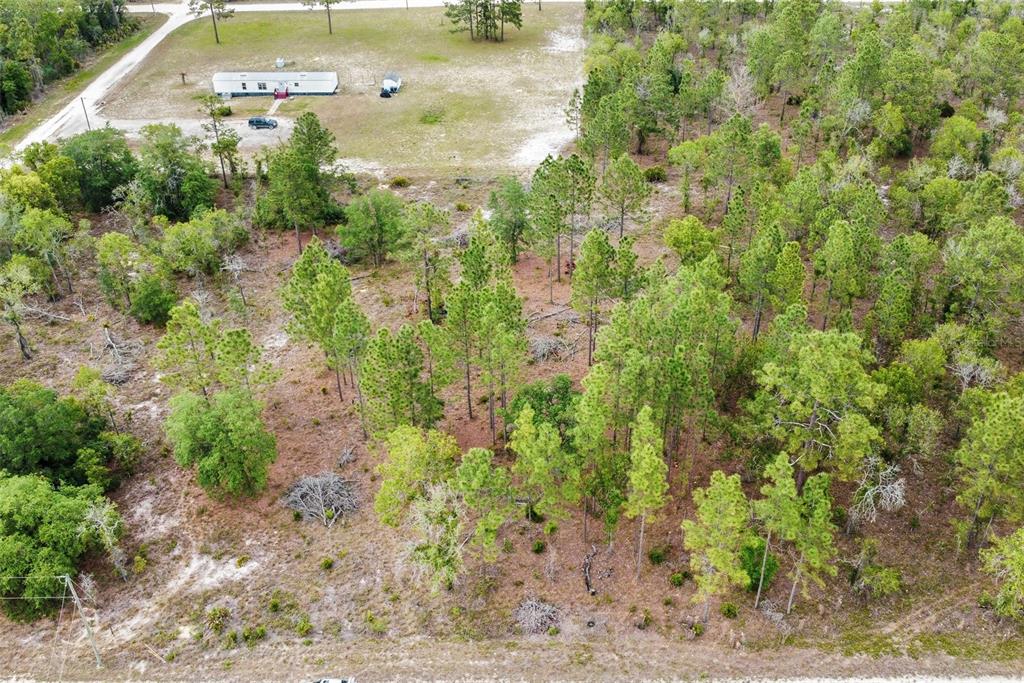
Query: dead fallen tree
[544, 347]
[536, 616]
[120, 357]
[324, 497]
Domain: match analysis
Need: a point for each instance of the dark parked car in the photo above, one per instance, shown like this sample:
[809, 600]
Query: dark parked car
[262, 122]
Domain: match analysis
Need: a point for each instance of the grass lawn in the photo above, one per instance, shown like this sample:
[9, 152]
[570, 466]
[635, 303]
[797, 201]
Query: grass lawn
[464, 105]
[60, 92]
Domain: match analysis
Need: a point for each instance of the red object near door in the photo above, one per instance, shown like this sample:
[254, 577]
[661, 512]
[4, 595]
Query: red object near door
[281, 94]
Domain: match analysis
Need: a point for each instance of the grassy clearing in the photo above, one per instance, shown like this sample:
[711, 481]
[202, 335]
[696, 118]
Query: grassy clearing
[464, 105]
[59, 93]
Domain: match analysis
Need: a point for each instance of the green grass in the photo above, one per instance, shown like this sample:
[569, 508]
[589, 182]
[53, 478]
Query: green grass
[60, 92]
[463, 103]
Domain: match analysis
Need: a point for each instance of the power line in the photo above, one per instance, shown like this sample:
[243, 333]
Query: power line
[69, 587]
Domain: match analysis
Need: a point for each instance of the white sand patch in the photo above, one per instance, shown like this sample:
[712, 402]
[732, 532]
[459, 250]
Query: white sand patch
[564, 41]
[278, 340]
[147, 522]
[151, 409]
[539, 146]
[366, 166]
[203, 573]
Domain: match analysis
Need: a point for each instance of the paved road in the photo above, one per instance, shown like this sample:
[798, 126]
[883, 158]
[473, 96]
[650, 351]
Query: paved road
[72, 118]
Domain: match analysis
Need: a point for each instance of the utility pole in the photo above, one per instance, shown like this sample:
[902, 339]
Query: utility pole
[88, 627]
[86, 112]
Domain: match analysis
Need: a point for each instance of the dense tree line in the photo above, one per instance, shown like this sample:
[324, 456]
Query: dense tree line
[42, 40]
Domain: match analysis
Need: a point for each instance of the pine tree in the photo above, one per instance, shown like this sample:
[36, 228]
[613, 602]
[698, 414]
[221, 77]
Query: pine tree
[628, 277]
[238, 362]
[778, 509]
[840, 264]
[509, 205]
[502, 343]
[550, 210]
[814, 534]
[486, 489]
[187, 350]
[549, 480]
[734, 226]
[1005, 560]
[786, 281]
[817, 399]
[624, 190]
[990, 463]
[463, 306]
[592, 281]
[648, 475]
[602, 470]
[716, 538]
[315, 295]
[425, 225]
[394, 384]
[757, 264]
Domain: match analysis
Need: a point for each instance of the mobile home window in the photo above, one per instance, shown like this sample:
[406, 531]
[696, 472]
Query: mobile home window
[261, 86]
[296, 84]
[244, 86]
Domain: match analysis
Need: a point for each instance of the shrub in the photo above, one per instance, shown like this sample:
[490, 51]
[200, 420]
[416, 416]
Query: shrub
[658, 554]
[539, 546]
[304, 627]
[231, 640]
[377, 625]
[697, 629]
[152, 300]
[222, 110]
[400, 181]
[462, 207]
[224, 439]
[327, 564]
[217, 619]
[676, 579]
[729, 610]
[877, 581]
[751, 556]
[253, 634]
[655, 174]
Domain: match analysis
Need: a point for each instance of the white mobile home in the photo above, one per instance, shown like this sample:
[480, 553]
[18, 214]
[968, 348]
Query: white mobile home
[276, 83]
